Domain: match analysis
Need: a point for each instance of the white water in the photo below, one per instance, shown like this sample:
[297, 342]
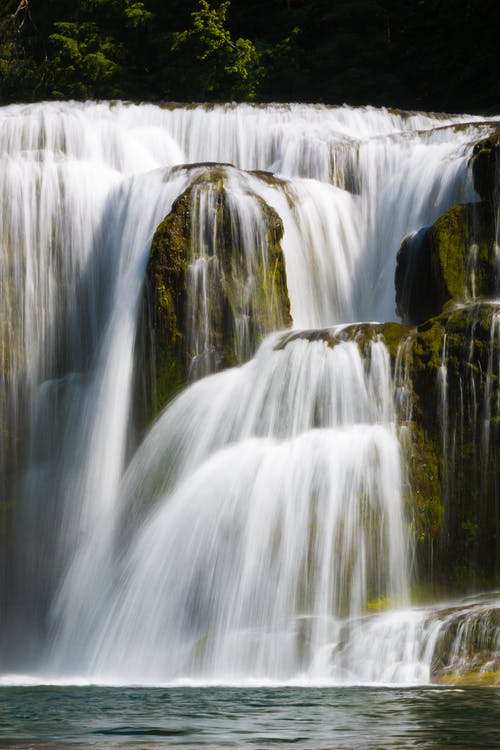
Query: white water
[262, 512]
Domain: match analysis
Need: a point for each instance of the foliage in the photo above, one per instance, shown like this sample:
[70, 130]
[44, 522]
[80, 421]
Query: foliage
[18, 71]
[85, 62]
[416, 55]
[223, 68]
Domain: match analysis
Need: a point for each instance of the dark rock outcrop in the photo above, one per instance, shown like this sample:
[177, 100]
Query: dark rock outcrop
[454, 260]
[205, 274]
[485, 163]
[454, 365]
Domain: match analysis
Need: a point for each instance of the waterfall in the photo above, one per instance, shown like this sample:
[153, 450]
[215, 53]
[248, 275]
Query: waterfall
[251, 532]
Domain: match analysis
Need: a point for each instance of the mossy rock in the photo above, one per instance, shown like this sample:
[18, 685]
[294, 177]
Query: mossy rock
[455, 396]
[245, 291]
[424, 488]
[471, 678]
[362, 334]
[466, 650]
[423, 460]
[453, 260]
[466, 333]
[485, 163]
[451, 487]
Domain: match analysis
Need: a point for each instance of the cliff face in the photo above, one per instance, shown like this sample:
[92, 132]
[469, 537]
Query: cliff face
[454, 260]
[447, 386]
[447, 283]
[454, 365]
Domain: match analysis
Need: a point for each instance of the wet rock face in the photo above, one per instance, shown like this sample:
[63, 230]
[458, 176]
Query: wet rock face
[456, 258]
[445, 275]
[454, 365]
[485, 165]
[166, 291]
[453, 260]
[216, 278]
[446, 374]
[467, 650]
[363, 334]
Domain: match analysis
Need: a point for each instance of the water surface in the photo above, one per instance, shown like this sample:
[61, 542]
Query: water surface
[303, 718]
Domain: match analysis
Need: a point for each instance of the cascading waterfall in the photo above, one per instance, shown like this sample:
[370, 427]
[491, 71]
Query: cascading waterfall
[247, 535]
[294, 520]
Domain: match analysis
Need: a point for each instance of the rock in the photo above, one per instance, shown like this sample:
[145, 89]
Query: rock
[467, 650]
[444, 277]
[452, 260]
[454, 362]
[448, 390]
[361, 333]
[485, 163]
[215, 288]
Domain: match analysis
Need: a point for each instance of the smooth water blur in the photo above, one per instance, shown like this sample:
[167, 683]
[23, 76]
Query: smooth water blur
[54, 718]
[271, 503]
[248, 534]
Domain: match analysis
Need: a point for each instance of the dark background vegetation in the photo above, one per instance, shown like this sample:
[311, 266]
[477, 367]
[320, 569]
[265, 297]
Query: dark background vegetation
[438, 55]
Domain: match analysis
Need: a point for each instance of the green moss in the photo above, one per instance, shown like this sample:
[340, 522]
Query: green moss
[453, 261]
[463, 257]
[470, 679]
[393, 335]
[382, 603]
[424, 486]
[464, 550]
[166, 274]
[466, 650]
[363, 334]
[254, 295]
[449, 262]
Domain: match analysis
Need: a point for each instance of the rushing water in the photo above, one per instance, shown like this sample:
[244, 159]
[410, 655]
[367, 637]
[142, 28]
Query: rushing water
[246, 537]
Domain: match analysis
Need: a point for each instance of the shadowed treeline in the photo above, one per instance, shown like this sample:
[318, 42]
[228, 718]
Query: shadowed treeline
[419, 54]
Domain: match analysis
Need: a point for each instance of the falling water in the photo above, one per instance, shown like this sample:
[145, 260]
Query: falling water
[249, 533]
[294, 519]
